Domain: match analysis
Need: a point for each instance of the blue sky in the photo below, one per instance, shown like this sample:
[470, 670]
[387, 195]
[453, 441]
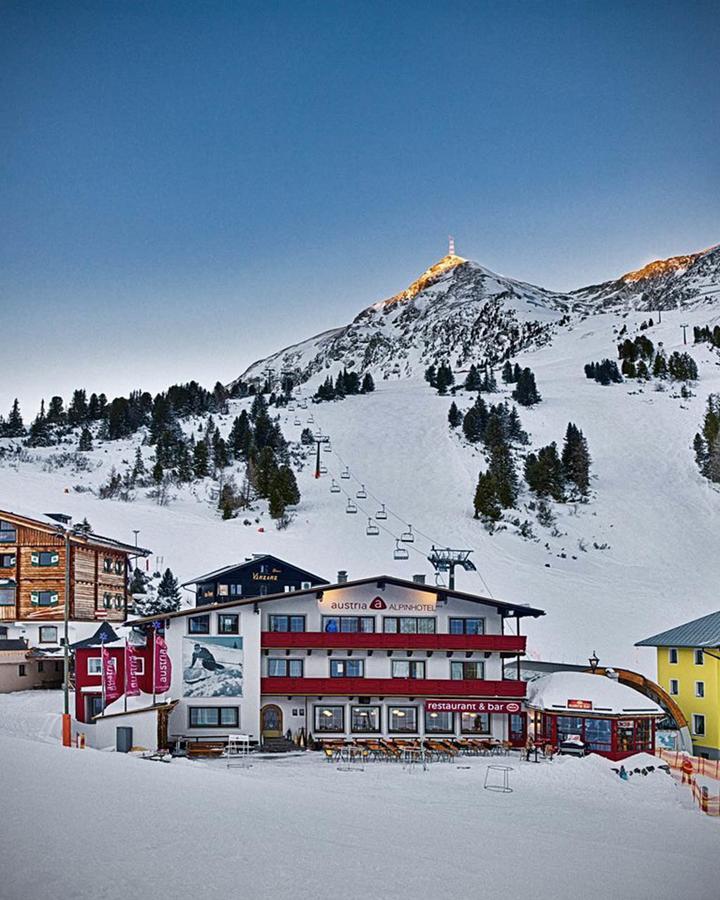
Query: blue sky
[188, 186]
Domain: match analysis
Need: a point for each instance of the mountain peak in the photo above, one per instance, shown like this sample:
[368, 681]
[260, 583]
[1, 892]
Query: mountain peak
[659, 267]
[428, 277]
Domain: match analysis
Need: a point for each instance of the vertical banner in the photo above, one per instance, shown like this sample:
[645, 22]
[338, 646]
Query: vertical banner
[132, 687]
[163, 666]
[111, 688]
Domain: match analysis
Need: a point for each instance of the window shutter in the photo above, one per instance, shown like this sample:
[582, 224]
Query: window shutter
[35, 558]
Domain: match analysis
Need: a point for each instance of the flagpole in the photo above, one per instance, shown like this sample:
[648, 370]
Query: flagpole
[154, 633]
[102, 675]
[125, 668]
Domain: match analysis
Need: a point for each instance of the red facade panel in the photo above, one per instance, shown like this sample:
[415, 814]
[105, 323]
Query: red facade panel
[498, 643]
[392, 687]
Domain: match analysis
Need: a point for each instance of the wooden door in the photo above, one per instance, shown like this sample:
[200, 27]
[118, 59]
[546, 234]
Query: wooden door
[271, 721]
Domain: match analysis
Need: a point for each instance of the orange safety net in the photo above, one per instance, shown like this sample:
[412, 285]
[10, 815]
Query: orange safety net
[685, 768]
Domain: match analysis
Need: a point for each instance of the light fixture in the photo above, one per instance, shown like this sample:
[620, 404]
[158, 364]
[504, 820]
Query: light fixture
[593, 662]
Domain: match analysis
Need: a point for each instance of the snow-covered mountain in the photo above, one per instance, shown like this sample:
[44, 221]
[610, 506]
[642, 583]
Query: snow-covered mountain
[456, 311]
[681, 281]
[640, 557]
[463, 313]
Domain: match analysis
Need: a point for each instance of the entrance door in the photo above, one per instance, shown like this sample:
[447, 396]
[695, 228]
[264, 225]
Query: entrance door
[271, 721]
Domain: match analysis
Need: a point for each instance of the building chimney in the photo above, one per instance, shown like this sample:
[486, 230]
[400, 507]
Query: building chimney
[342, 577]
[419, 579]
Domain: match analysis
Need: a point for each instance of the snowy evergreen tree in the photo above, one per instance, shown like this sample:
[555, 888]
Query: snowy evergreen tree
[14, 426]
[526, 392]
[486, 503]
[576, 459]
[78, 409]
[85, 443]
[507, 373]
[544, 473]
[165, 600]
[56, 412]
[444, 378]
[39, 434]
[201, 460]
[368, 385]
[455, 417]
[473, 381]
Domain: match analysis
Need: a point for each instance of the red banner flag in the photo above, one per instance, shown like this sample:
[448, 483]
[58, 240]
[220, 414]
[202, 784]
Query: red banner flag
[132, 688]
[163, 666]
[111, 688]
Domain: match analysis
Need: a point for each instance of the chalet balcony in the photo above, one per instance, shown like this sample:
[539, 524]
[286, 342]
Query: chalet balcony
[392, 687]
[323, 640]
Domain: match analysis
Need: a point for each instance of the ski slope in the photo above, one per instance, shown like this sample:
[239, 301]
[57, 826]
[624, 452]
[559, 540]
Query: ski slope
[657, 516]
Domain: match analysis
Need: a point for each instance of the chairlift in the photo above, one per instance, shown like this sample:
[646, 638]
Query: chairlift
[362, 493]
[381, 514]
[291, 407]
[400, 552]
[439, 580]
[303, 404]
[310, 419]
[297, 421]
[351, 508]
[322, 469]
[327, 448]
[372, 530]
[407, 536]
[345, 474]
[334, 487]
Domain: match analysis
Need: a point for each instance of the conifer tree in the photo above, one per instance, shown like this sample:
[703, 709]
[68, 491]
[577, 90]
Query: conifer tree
[544, 473]
[455, 417]
[473, 381]
[39, 433]
[507, 372]
[486, 502]
[576, 459]
[241, 436]
[78, 409]
[368, 385]
[526, 392]
[201, 467]
[660, 366]
[56, 412]
[14, 426]
[502, 470]
[166, 600]
[85, 443]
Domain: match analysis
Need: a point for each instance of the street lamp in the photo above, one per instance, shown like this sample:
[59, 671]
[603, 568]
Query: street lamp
[67, 533]
[594, 662]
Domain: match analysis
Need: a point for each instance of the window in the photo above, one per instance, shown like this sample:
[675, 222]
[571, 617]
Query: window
[674, 687]
[699, 657]
[408, 625]
[107, 600]
[207, 591]
[699, 688]
[284, 668]
[107, 564]
[44, 598]
[330, 719]
[439, 723]
[474, 723]
[214, 717]
[286, 623]
[7, 592]
[463, 671]
[672, 655]
[466, 626]
[598, 734]
[48, 634]
[408, 668]
[3, 631]
[199, 624]
[7, 560]
[21, 670]
[228, 623]
[8, 533]
[698, 723]
[235, 590]
[119, 601]
[222, 590]
[94, 665]
[348, 624]
[347, 668]
[402, 719]
[119, 567]
[44, 558]
[365, 719]
[305, 585]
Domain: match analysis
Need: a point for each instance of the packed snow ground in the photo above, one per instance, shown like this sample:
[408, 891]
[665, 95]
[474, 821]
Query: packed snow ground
[115, 826]
[652, 511]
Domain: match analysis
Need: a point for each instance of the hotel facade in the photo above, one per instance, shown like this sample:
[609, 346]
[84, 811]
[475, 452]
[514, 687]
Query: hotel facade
[378, 656]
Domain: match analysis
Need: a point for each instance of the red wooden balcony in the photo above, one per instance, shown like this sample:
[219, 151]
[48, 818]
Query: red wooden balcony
[392, 687]
[324, 640]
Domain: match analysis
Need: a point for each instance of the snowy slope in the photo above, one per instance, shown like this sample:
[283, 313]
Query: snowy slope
[299, 828]
[657, 516]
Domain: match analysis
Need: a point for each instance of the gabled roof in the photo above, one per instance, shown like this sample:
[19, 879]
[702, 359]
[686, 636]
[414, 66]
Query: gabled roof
[516, 610]
[211, 576]
[703, 632]
[51, 524]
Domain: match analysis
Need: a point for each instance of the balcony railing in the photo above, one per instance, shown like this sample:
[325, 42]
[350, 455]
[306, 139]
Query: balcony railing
[392, 687]
[324, 640]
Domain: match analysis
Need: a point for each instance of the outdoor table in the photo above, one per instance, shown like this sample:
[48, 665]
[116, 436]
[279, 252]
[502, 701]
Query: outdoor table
[504, 786]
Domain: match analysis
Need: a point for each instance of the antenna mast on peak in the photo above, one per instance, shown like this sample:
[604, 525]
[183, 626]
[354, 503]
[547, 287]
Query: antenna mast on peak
[451, 245]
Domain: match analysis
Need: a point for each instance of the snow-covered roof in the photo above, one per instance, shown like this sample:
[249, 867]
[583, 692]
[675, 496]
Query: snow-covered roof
[703, 632]
[570, 692]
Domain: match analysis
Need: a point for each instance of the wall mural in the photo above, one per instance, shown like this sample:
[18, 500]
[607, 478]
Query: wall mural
[212, 666]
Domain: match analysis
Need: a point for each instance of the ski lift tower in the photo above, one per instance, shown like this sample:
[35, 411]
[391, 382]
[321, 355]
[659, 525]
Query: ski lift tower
[320, 439]
[443, 559]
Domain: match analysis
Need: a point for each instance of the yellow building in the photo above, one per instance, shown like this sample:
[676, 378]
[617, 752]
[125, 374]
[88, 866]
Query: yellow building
[688, 667]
